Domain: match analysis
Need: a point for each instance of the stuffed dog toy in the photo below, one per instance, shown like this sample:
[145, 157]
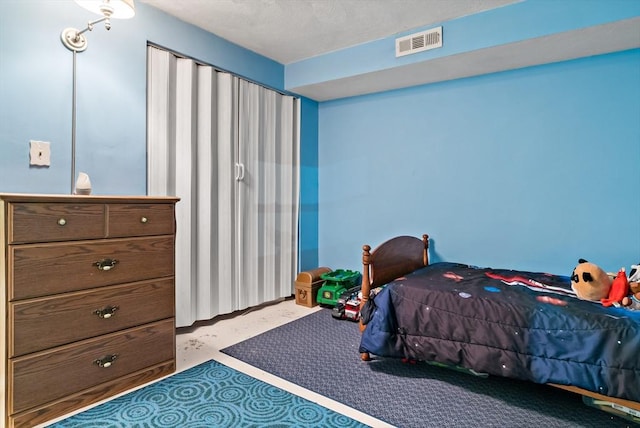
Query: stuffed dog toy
[590, 282]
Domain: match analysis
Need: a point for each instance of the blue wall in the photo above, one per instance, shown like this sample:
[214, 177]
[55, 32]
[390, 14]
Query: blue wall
[36, 97]
[308, 250]
[531, 169]
[36, 91]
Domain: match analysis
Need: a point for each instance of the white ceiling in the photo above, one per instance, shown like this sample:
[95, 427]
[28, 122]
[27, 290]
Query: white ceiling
[292, 30]
[288, 31]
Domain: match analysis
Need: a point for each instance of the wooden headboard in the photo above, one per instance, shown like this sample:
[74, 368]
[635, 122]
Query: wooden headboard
[390, 260]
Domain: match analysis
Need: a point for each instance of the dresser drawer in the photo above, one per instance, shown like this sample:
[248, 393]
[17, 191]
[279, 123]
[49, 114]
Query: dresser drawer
[140, 220]
[44, 323]
[44, 377]
[45, 222]
[44, 269]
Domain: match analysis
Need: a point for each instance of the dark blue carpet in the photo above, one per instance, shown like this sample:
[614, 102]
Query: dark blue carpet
[321, 354]
[209, 395]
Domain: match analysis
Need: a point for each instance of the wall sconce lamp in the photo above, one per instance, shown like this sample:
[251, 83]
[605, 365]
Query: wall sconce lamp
[118, 9]
[76, 42]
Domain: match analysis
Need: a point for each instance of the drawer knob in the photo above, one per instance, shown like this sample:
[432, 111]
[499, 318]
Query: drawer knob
[106, 264]
[106, 312]
[62, 221]
[144, 220]
[106, 361]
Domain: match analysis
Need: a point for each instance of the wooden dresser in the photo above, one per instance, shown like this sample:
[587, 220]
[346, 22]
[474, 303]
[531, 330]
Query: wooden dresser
[88, 304]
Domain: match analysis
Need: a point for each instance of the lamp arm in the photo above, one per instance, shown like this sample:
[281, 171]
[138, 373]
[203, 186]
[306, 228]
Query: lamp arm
[91, 24]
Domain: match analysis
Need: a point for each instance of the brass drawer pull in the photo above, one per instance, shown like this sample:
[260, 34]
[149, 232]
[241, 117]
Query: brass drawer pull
[62, 221]
[144, 220]
[106, 264]
[106, 361]
[106, 312]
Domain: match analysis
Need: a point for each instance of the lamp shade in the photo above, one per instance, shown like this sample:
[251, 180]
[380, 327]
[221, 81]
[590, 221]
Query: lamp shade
[118, 9]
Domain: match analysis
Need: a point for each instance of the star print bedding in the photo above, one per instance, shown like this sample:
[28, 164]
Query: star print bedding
[522, 325]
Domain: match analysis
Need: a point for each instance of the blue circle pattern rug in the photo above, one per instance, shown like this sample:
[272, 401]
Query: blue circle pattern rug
[208, 395]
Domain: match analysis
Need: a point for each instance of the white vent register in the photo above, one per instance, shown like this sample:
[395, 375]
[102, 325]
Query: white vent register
[419, 42]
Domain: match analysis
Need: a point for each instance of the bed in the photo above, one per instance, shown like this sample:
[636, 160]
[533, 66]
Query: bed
[500, 322]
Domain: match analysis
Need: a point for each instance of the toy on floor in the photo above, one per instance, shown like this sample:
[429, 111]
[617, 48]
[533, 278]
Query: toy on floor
[345, 303]
[348, 306]
[336, 283]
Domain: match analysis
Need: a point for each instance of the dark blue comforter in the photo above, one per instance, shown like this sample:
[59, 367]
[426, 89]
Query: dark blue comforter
[521, 325]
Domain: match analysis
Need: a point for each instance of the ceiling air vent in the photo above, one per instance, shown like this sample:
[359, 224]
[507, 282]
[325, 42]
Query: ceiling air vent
[419, 42]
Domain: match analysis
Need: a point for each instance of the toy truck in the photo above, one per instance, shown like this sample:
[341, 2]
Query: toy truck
[348, 305]
[336, 283]
[352, 307]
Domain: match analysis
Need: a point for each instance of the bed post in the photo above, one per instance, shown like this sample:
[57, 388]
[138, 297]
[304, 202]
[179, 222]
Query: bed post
[365, 289]
[425, 255]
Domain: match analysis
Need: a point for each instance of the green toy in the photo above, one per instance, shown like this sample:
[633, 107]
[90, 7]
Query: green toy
[336, 283]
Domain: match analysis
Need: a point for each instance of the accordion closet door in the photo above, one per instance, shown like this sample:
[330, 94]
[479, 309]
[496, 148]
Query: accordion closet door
[229, 149]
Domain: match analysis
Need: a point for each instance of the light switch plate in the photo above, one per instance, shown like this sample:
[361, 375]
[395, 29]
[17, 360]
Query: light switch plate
[39, 153]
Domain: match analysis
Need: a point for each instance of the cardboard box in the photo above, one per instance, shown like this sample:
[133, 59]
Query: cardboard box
[307, 285]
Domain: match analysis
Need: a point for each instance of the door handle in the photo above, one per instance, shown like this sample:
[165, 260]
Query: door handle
[239, 171]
